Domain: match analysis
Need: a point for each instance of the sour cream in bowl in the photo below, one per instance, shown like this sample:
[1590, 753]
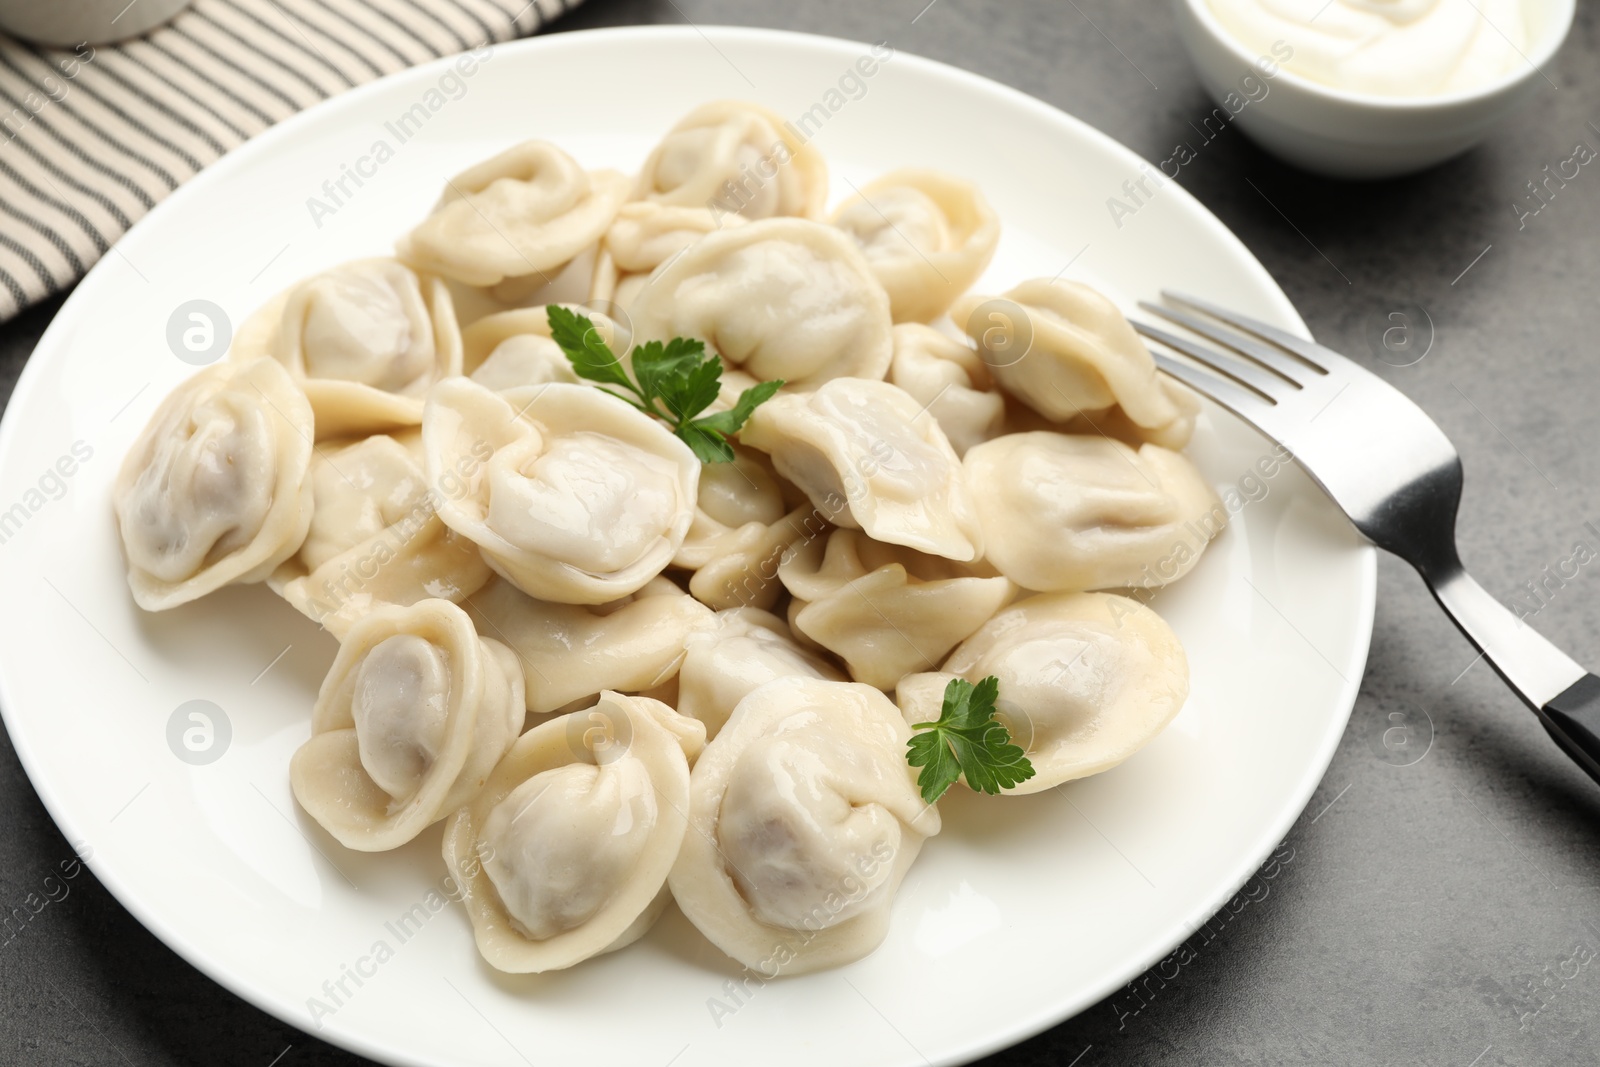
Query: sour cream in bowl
[1372, 88]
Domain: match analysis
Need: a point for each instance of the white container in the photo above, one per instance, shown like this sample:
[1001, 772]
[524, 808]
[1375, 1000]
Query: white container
[67, 23]
[1345, 134]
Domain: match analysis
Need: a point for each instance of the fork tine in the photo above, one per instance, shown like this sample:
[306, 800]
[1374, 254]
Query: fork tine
[1295, 370]
[1323, 359]
[1236, 398]
[1240, 370]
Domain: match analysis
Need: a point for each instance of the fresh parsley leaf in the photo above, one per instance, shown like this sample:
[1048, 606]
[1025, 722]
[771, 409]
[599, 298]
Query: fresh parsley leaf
[710, 446]
[940, 768]
[676, 382]
[590, 356]
[730, 421]
[661, 368]
[967, 742]
[688, 394]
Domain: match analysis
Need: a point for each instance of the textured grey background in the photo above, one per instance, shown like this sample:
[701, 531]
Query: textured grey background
[1442, 913]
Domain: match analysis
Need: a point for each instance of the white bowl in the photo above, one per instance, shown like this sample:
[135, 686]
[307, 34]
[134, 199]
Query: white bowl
[67, 23]
[1345, 134]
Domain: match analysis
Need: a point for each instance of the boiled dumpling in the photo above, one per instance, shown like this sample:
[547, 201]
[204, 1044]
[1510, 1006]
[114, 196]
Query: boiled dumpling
[1081, 359]
[790, 614]
[570, 652]
[582, 499]
[871, 458]
[739, 566]
[359, 488]
[570, 283]
[415, 712]
[512, 348]
[1116, 423]
[375, 539]
[804, 817]
[950, 379]
[645, 235]
[742, 649]
[1063, 513]
[521, 214]
[742, 527]
[781, 298]
[1086, 680]
[365, 341]
[928, 236]
[216, 489]
[564, 853]
[743, 490]
[885, 610]
[737, 158]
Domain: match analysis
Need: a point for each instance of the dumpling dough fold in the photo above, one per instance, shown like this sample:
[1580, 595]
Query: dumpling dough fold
[742, 649]
[1086, 680]
[780, 298]
[885, 610]
[949, 378]
[735, 157]
[571, 651]
[414, 713]
[564, 853]
[928, 236]
[216, 489]
[582, 499]
[521, 214]
[1068, 512]
[804, 817]
[1081, 360]
[375, 537]
[365, 341]
[645, 235]
[871, 458]
[741, 530]
[512, 348]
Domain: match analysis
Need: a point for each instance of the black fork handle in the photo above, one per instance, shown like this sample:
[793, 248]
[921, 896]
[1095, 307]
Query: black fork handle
[1573, 719]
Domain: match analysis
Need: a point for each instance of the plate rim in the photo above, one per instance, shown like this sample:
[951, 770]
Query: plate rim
[1014, 1032]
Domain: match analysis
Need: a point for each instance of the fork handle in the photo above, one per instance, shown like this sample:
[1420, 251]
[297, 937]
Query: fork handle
[1573, 719]
[1564, 696]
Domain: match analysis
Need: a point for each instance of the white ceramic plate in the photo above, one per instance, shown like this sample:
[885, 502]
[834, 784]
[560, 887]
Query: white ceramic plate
[1026, 910]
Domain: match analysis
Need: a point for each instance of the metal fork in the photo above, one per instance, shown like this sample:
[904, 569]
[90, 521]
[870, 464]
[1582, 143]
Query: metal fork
[1395, 474]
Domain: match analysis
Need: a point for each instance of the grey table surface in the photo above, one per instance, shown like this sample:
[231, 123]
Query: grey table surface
[1441, 910]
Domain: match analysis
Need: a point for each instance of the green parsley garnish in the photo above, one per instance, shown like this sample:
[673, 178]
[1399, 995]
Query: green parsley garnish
[967, 742]
[676, 382]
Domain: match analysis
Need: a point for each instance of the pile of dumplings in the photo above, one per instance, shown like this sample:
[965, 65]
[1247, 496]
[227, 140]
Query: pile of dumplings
[621, 677]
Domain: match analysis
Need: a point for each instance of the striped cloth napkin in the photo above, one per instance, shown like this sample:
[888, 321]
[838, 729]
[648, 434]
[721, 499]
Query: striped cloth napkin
[94, 137]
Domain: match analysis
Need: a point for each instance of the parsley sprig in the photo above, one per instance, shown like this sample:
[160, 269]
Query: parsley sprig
[967, 741]
[676, 382]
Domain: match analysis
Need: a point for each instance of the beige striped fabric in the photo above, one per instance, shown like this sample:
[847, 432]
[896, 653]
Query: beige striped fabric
[95, 136]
